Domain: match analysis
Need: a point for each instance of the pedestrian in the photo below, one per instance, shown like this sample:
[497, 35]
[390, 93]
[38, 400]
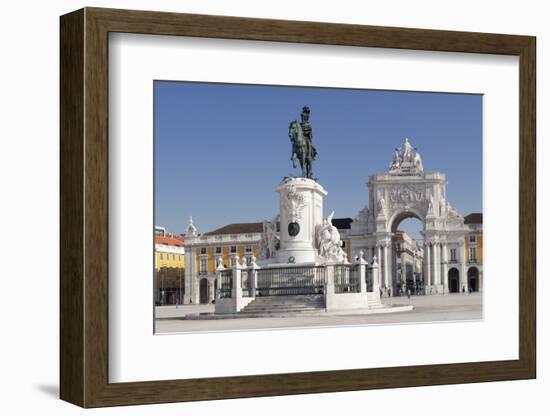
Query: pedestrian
[177, 303]
[389, 292]
[408, 293]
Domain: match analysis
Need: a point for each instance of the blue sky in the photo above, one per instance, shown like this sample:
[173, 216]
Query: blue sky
[221, 149]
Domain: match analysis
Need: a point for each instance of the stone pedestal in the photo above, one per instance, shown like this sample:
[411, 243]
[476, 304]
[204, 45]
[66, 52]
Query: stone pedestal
[301, 210]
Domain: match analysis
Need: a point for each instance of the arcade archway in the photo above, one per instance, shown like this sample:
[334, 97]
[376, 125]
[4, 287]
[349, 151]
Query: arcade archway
[453, 280]
[203, 290]
[473, 279]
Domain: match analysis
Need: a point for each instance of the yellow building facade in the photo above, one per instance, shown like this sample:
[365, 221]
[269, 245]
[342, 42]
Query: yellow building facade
[473, 251]
[169, 269]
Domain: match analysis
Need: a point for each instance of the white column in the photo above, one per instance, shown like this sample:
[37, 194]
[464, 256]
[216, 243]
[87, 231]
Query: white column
[389, 253]
[386, 266]
[414, 266]
[380, 262]
[433, 264]
[437, 264]
[445, 279]
[403, 266]
[463, 278]
[428, 263]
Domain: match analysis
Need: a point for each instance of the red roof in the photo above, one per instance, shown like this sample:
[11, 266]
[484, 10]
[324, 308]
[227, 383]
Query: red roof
[169, 240]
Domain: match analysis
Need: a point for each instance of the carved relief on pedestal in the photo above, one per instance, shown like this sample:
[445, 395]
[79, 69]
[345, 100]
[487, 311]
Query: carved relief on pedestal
[294, 204]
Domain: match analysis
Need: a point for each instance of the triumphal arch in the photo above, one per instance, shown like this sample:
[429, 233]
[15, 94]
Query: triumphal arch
[406, 190]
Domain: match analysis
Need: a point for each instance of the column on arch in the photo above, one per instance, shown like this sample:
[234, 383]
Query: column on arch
[427, 265]
[463, 277]
[437, 264]
[445, 267]
[389, 247]
[403, 265]
[387, 266]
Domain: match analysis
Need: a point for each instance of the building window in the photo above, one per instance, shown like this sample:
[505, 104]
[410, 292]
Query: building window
[218, 250]
[453, 254]
[248, 248]
[248, 260]
[472, 239]
[202, 266]
[233, 259]
[233, 249]
[203, 250]
[473, 253]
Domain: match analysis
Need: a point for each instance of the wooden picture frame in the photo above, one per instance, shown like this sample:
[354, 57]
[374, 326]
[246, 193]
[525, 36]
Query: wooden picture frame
[84, 207]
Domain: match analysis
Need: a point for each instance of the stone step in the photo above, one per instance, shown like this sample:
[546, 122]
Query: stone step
[283, 301]
[294, 304]
[280, 310]
[287, 305]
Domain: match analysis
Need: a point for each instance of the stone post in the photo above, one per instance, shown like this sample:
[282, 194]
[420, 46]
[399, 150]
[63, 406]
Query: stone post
[329, 290]
[361, 264]
[253, 277]
[211, 290]
[218, 278]
[237, 290]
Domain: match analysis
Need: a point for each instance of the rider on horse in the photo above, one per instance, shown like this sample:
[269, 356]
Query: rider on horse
[300, 135]
[308, 132]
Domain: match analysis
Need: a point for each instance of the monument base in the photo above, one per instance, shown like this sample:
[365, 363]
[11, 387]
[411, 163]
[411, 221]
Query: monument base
[301, 211]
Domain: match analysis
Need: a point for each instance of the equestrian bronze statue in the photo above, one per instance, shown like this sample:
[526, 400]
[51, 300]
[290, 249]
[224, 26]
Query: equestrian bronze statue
[301, 137]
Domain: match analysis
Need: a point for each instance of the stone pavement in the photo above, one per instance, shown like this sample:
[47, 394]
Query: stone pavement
[436, 308]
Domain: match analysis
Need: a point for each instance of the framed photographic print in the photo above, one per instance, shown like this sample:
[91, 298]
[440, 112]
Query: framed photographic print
[294, 207]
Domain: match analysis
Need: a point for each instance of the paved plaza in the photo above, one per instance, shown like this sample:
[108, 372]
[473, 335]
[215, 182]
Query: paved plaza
[436, 308]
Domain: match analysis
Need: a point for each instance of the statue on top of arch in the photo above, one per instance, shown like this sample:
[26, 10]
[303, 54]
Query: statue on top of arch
[406, 159]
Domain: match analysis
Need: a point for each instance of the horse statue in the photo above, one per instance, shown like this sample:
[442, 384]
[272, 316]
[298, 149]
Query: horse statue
[302, 149]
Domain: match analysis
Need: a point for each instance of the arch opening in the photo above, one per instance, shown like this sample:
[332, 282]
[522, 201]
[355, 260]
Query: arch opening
[453, 280]
[407, 252]
[473, 279]
[203, 290]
